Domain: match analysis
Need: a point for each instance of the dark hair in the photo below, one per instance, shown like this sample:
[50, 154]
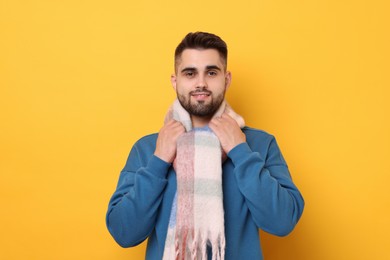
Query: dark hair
[201, 41]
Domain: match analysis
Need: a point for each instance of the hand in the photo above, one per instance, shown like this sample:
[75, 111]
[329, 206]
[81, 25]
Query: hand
[228, 132]
[166, 140]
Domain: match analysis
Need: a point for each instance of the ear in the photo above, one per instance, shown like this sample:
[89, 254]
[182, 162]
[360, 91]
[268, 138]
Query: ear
[228, 79]
[173, 81]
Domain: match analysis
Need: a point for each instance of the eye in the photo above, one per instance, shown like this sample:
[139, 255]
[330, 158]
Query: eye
[189, 74]
[212, 73]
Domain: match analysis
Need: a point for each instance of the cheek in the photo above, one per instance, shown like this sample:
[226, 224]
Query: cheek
[180, 89]
[184, 85]
[220, 84]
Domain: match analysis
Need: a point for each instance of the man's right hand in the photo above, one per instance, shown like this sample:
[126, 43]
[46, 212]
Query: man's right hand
[166, 140]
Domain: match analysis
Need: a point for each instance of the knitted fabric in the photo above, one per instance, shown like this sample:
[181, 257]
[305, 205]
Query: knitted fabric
[197, 215]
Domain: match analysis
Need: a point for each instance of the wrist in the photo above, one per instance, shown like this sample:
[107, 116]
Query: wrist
[162, 157]
[233, 146]
[158, 166]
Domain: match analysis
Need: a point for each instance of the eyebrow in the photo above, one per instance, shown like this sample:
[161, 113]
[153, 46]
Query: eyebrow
[209, 67]
[213, 67]
[188, 69]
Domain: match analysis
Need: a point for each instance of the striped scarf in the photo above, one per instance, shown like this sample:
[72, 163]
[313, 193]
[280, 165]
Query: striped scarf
[197, 215]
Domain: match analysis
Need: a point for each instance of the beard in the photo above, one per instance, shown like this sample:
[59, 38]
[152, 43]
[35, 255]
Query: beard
[201, 108]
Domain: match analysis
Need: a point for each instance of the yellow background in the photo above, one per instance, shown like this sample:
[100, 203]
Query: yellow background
[81, 81]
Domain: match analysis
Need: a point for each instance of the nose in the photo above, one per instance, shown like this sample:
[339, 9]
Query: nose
[202, 83]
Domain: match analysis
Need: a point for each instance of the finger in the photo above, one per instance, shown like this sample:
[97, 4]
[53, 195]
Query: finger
[172, 124]
[215, 128]
[216, 120]
[169, 122]
[227, 117]
[213, 125]
[178, 128]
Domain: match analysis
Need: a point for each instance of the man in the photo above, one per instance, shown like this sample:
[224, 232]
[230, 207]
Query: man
[205, 185]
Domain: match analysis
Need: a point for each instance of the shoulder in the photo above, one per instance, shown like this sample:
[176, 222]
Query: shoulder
[258, 140]
[251, 132]
[141, 151]
[145, 145]
[150, 138]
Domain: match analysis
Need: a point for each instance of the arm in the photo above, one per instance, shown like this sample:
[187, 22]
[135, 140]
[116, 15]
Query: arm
[263, 179]
[270, 194]
[133, 208]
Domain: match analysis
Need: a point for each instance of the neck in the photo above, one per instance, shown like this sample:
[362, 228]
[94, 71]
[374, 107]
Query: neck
[199, 122]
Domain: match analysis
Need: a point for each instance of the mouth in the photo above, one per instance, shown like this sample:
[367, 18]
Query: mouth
[200, 95]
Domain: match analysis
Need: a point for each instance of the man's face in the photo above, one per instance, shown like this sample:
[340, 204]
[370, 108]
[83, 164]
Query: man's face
[201, 81]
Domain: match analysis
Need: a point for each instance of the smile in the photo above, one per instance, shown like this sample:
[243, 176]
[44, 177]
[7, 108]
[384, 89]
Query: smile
[201, 94]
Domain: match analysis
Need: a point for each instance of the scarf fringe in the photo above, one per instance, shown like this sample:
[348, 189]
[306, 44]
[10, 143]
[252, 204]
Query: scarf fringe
[197, 249]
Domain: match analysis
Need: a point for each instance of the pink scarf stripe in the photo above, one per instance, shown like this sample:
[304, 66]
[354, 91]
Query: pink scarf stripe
[185, 190]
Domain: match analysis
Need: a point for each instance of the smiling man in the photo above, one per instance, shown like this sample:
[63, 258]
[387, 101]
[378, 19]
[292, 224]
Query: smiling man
[199, 73]
[205, 184]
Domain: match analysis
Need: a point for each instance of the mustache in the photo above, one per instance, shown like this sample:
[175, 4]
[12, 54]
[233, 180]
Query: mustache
[203, 90]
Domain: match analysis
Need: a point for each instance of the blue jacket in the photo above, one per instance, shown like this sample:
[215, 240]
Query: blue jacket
[258, 193]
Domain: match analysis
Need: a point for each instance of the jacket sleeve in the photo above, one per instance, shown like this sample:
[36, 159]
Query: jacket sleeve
[272, 198]
[133, 208]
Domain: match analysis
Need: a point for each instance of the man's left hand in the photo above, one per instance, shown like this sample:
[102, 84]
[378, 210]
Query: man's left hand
[228, 132]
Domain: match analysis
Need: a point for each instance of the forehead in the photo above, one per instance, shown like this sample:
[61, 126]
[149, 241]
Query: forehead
[200, 58]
